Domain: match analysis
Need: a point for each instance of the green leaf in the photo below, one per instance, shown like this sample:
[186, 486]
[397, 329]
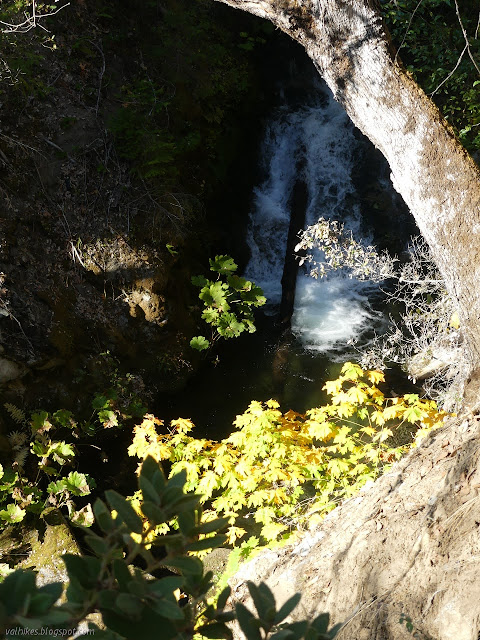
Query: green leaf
[207, 543]
[129, 605]
[99, 545]
[211, 526]
[187, 565]
[16, 589]
[100, 402]
[229, 326]
[199, 281]
[148, 490]
[108, 418]
[200, 343]
[211, 316]
[239, 284]
[215, 630]
[39, 421]
[12, 514]
[168, 609]
[223, 264]
[103, 516]
[155, 514]
[65, 418]
[287, 608]
[43, 600]
[165, 587]
[125, 511]
[186, 522]
[215, 295]
[85, 570]
[247, 621]
[61, 449]
[57, 487]
[77, 484]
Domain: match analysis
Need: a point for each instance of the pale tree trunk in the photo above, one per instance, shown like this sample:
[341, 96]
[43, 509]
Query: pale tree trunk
[349, 45]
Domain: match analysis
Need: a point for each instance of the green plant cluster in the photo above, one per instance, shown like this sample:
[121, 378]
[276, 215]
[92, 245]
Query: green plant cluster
[278, 472]
[48, 482]
[228, 302]
[42, 473]
[432, 42]
[134, 604]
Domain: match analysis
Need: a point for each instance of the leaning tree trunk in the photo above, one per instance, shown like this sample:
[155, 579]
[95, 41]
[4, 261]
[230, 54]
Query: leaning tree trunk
[349, 45]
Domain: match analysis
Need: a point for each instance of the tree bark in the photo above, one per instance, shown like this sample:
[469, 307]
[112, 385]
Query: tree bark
[350, 47]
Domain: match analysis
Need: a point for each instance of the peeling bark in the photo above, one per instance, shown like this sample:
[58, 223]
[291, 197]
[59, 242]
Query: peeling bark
[350, 47]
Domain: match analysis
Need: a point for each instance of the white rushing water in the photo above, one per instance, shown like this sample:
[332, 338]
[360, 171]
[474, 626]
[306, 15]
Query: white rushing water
[317, 140]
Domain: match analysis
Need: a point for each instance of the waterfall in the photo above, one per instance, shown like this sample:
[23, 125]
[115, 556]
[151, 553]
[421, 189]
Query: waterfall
[319, 138]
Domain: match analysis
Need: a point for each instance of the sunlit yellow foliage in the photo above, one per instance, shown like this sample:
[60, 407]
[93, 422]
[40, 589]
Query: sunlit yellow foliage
[280, 468]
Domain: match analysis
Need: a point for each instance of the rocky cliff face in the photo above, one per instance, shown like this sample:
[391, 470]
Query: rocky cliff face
[408, 544]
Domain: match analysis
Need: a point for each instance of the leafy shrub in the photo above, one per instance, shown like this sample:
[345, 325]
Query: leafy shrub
[133, 604]
[228, 302]
[287, 470]
[431, 41]
[45, 482]
[40, 477]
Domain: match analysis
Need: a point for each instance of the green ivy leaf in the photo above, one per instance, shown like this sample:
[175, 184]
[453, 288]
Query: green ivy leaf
[223, 264]
[200, 343]
[65, 418]
[199, 281]
[100, 402]
[12, 514]
[77, 484]
[108, 418]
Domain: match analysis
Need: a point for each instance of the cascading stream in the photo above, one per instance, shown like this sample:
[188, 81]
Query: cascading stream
[318, 138]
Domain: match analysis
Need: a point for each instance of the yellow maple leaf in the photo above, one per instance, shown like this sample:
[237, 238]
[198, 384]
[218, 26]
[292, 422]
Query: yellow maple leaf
[272, 404]
[356, 395]
[393, 411]
[378, 418]
[272, 530]
[333, 386]
[375, 376]
[352, 371]
[345, 410]
[234, 533]
[182, 425]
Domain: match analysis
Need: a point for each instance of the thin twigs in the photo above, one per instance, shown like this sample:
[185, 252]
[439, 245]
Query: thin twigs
[31, 21]
[407, 29]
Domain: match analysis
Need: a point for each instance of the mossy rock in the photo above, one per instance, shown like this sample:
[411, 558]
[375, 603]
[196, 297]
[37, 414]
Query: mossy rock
[46, 554]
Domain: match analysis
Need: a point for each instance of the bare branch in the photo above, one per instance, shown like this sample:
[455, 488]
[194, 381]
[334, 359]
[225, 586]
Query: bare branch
[31, 21]
[467, 44]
